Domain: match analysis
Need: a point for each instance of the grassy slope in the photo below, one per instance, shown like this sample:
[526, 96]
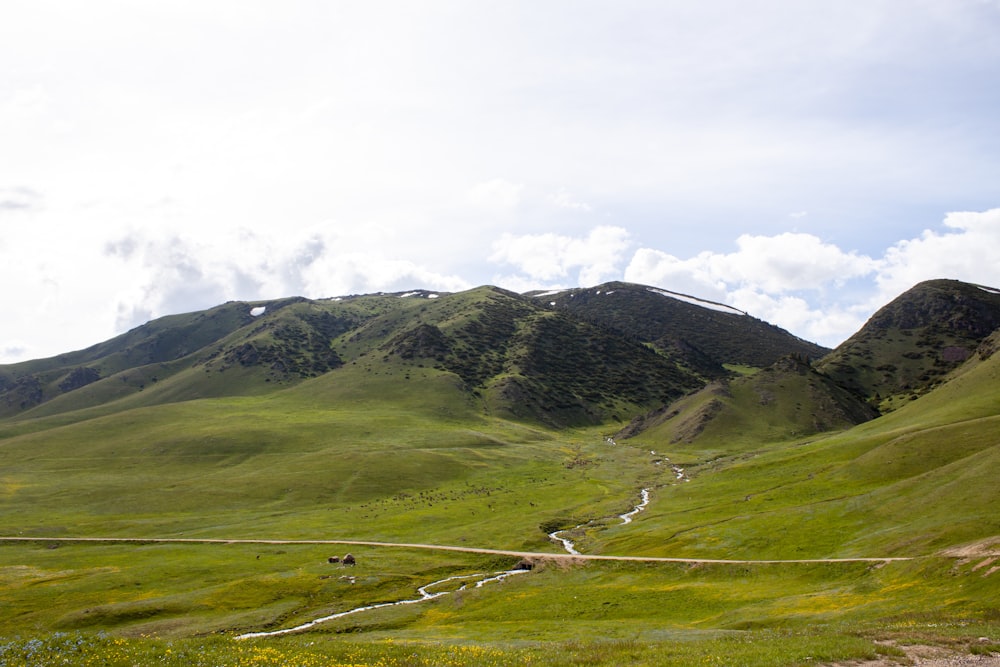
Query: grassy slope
[785, 401]
[909, 483]
[379, 454]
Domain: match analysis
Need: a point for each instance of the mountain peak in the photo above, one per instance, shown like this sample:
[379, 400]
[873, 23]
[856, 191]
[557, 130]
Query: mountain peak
[911, 343]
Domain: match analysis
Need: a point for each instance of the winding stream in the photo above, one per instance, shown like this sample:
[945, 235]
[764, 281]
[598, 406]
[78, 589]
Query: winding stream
[425, 595]
[626, 518]
[643, 501]
[425, 591]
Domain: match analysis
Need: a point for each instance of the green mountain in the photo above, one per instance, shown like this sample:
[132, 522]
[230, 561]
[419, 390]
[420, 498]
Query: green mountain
[907, 348]
[703, 332]
[523, 357]
[911, 344]
[916, 480]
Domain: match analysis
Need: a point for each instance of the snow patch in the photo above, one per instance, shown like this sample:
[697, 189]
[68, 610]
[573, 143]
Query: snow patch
[258, 311]
[552, 293]
[988, 289]
[711, 305]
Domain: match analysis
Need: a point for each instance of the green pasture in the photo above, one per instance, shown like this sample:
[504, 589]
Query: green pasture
[133, 604]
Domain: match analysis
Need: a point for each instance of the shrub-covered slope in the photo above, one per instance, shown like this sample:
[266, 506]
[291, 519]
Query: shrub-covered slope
[913, 342]
[582, 362]
[524, 361]
[521, 359]
[704, 333]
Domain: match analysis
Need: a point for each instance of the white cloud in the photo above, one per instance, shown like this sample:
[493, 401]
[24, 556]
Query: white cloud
[693, 276]
[181, 273]
[774, 264]
[815, 288]
[19, 199]
[783, 279]
[828, 324]
[549, 257]
[790, 262]
[427, 134]
[969, 251]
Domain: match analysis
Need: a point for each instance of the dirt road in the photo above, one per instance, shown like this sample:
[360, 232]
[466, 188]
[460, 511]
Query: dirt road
[534, 555]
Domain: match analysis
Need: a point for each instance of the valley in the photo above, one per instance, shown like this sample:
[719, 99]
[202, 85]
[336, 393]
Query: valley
[734, 495]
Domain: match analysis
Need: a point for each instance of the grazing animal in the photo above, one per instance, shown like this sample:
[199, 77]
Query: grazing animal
[332, 559]
[348, 560]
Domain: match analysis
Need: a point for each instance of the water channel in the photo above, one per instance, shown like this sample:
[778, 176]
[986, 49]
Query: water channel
[424, 592]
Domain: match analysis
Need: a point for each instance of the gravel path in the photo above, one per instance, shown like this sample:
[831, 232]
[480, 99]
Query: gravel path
[541, 555]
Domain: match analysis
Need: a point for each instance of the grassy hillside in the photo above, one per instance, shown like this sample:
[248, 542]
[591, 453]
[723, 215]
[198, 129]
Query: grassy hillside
[911, 482]
[911, 344]
[787, 400]
[521, 359]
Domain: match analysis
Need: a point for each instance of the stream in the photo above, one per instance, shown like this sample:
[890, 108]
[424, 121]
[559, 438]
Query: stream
[424, 592]
[626, 518]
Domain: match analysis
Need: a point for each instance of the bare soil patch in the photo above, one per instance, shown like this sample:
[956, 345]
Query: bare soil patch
[927, 656]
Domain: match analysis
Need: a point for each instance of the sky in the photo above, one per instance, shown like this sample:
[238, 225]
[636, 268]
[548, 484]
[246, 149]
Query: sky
[803, 161]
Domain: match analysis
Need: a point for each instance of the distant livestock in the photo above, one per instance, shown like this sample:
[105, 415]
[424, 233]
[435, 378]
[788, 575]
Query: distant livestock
[348, 560]
[332, 559]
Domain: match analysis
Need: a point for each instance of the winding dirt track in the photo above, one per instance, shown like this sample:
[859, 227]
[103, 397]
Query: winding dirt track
[534, 555]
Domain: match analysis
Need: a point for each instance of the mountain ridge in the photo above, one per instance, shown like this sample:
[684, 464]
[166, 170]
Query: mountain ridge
[617, 352]
[523, 355]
